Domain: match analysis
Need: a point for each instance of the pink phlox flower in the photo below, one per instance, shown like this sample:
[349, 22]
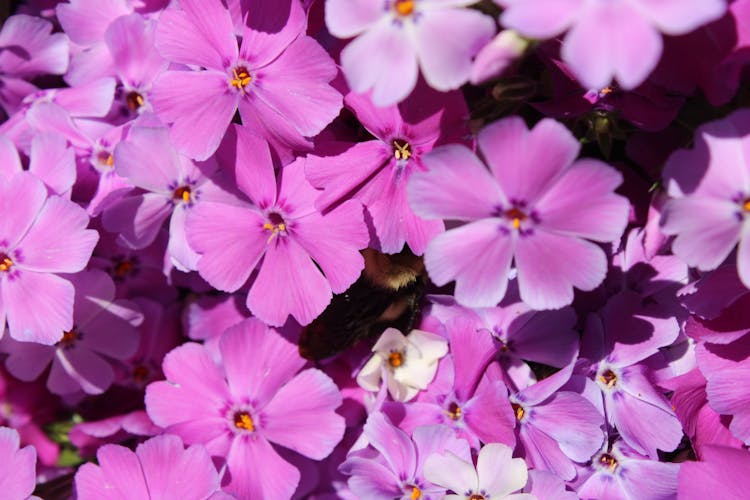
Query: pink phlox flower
[396, 470]
[302, 256]
[614, 40]
[28, 48]
[159, 468]
[376, 172]
[536, 207]
[206, 318]
[621, 472]
[169, 184]
[37, 303]
[103, 330]
[397, 38]
[18, 475]
[279, 81]
[497, 56]
[723, 470]
[91, 435]
[258, 396]
[710, 190]
[50, 160]
[460, 397]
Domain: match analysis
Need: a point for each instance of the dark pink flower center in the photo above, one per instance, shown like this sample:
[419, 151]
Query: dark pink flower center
[515, 215]
[276, 225]
[105, 159]
[69, 338]
[182, 193]
[134, 100]
[5, 262]
[518, 410]
[608, 378]
[454, 411]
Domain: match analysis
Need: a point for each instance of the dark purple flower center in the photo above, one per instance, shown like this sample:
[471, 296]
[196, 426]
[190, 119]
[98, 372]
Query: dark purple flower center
[134, 100]
[454, 411]
[401, 149]
[140, 373]
[70, 338]
[608, 378]
[5, 262]
[240, 78]
[608, 461]
[243, 420]
[518, 410]
[276, 225]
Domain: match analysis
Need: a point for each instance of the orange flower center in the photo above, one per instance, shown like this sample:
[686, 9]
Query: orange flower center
[240, 78]
[416, 493]
[516, 216]
[243, 420]
[404, 7]
[5, 262]
[454, 411]
[608, 461]
[105, 158]
[69, 338]
[608, 378]
[518, 410]
[122, 268]
[746, 205]
[395, 359]
[182, 193]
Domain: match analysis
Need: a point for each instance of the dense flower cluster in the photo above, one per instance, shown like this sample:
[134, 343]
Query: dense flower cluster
[375, 249]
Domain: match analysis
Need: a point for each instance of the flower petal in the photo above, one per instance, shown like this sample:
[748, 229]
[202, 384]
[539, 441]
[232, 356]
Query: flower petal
[39, 307]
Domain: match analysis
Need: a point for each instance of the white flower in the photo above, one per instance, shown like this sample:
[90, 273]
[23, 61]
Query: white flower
[408, 364]
[496, 476]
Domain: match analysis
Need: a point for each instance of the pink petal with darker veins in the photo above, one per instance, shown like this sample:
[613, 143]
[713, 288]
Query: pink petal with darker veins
[257, 470]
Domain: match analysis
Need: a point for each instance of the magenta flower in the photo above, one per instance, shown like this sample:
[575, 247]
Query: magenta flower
[397, 37]
[376, 172]
[18, 474]
[159, 468]
[609, 40]
[257, 399]
[28, 48]
[396, 471]
[535, 207]
[102, 330]
[723, 471]
[710, 189]
[36, 302]
[302, 256]
[170, 185]
[277, 79]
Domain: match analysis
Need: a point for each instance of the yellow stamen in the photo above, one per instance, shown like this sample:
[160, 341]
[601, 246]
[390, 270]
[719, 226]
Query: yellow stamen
[182, 193]
[606, 91]
[243, 420]
[608, 378]
[518, 410]
[416, 493]
[476, 496]
[240, 78]
[516, 216]
[6, 264]
[395, 359]
[401, 151]
[275, 230]
[746, 206]
[608, 461]
[404, 7]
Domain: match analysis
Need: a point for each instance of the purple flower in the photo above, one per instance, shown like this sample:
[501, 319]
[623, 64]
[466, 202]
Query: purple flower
[170, 185]
[37, 303]
[159, 468]
[397, 37]
[277, 79]
[723, 471]
[302, 256]
[376, 172]
[18, 474]
[257, 399]
[28, 48]
[710, 190]
[536, 207]
[609, 40]
[622, 473]
[102, 329]
[51, 161]
[396, 472]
